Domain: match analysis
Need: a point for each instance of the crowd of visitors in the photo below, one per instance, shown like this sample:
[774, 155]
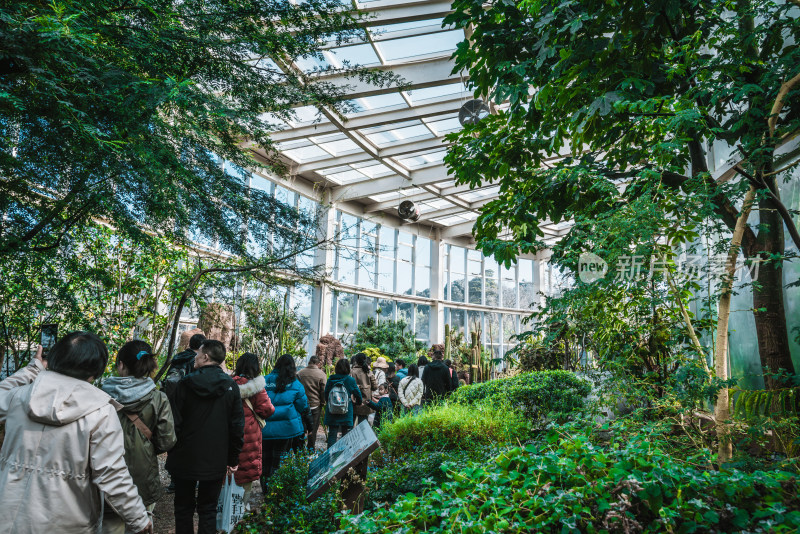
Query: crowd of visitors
[91, 453]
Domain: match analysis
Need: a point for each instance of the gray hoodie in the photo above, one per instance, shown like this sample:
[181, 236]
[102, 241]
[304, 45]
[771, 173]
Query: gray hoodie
[127, 389]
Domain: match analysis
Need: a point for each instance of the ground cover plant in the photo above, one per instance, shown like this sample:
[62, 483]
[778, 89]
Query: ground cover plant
[570, 483]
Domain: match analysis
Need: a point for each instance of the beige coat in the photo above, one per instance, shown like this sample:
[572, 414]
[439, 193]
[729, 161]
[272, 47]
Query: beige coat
[313, 380]
[63, 451]
[367, 384]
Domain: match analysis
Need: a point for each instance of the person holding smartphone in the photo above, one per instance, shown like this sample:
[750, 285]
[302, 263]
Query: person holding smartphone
[63, 449]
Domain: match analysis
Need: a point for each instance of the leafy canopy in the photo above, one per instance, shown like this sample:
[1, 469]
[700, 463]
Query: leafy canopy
[628, 92]
[124, 109]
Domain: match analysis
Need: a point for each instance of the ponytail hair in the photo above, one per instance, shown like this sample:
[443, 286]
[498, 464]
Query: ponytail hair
[138, 358]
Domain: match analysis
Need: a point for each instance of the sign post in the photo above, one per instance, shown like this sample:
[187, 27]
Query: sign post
[347, 457]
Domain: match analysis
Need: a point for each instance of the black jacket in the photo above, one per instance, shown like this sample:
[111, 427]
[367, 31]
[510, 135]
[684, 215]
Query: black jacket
[436, 380]
[183, 360]
[209, 423]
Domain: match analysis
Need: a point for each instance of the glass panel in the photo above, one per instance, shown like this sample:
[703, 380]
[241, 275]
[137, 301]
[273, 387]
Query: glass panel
[387, 242]
[509, 287]
[386, 309]
[509, 329]
[474, 289]
[404, 252]
[474, 324]
[348, 230]
[369, 232]
[423, 323]
[492, 327]
[458, 262]
[490, 287]
[405, 238]
[457, 322]
[366, 271]
[403, 278]
[366, 308]
[526, 289]
[456, 287]
[423, 281]
[346, 311]
[474, 262]
[386, 275]
[423, 251]
[346, 272]
[405, 312]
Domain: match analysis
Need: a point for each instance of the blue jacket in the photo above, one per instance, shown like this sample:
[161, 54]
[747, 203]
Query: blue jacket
[402, 373]
[290, 405]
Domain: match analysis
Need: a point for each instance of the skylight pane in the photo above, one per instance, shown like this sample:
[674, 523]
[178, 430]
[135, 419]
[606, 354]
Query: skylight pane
[307, 153]
[420, 45]
[370, 103]
[307, 114]
[418, 96]
[382, 139]
[362, 54]
[340, 147]
[446, 126]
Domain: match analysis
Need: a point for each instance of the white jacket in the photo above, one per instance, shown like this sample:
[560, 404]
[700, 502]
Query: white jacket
[410, 391]
[63, 452]
[380, 376]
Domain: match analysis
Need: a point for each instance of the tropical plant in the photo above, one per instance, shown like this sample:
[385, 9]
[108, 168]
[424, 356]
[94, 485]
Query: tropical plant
[626, 104]
[392, 338]
[96, 280]
[270, 330]
[126, 110]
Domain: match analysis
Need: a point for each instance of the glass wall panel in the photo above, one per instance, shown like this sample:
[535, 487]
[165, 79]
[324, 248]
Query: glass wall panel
[366, 271]
[422, 332]
[405, 312]
[346, 305]
[509, 329]
[423, 251]
[491, 291]
[366, 308]
[457, 320]
[386, 275]
[346, 270]
[404, 277]
[526, 289]
[387, 309]
[508, 287]
[474, 323]
[423, 281]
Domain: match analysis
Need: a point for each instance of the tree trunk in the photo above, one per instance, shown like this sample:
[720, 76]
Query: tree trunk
[769, 311]
[722, 409]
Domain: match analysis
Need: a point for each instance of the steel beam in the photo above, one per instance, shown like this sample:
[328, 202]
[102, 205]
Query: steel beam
[417, 75]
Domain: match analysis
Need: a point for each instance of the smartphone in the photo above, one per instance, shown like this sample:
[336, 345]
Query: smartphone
[49, 338]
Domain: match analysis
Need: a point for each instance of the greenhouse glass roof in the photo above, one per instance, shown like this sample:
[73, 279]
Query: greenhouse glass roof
[391, 146]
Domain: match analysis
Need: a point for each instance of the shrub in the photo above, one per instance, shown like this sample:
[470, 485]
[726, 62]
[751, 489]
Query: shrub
[285, 507]
[393, 338]
[573, 485]
[450, 426]
[536, 393]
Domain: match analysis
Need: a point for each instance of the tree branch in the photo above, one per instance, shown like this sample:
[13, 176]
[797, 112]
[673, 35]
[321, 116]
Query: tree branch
[772, 121]
[780, 207]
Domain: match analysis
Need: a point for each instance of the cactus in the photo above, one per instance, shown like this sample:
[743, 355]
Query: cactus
[447, 342]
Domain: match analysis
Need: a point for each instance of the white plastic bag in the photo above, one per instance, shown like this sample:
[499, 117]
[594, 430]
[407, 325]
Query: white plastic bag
[230, 505]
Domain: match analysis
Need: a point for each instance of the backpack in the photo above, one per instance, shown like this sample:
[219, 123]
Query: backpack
[338, 400]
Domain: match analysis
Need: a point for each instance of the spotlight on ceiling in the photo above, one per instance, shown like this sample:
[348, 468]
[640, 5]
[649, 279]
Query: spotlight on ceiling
[408, 211]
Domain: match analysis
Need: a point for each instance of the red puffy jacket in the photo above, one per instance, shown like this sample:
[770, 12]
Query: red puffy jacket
[250, 457]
